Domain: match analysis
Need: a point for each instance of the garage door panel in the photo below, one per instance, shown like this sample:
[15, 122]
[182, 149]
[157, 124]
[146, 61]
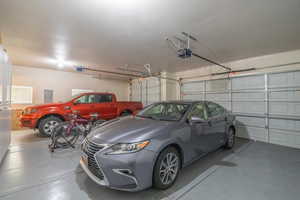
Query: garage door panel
[192, 87]
[135, 90]
[287, 79]
[250, 95]
[146, 90]
[250, 121]
[249, 107]
[198, 97]
[259, 134]
[218, 97]
[286, 138]
[283, 108]
[292, 125]
[217, 85]
[248, 82]
[253, 96]
[284, 95]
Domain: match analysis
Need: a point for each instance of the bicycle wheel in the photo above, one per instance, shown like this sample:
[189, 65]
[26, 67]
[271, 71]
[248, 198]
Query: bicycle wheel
[62, 137]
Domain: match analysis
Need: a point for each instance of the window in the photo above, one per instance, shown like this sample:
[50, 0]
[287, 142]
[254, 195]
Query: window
[198, 111]
[214, 109]
[82, 99]
[155, 110]
[164, 111]
[80, 91]
[106, 98]
[21, 95]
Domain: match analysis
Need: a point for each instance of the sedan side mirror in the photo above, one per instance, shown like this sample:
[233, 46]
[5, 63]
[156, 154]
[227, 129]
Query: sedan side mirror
[195, 119]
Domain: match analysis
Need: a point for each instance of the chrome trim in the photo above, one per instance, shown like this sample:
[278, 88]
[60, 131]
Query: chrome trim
[92, 176]
[118, 171]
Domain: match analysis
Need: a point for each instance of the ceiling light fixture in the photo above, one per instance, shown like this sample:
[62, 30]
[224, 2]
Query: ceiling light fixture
[60, 63]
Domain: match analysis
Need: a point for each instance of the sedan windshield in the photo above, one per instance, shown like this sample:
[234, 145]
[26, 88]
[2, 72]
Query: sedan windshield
[164, 111]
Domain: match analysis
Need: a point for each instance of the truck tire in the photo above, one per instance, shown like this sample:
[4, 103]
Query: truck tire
[126, 113]
[47, 124]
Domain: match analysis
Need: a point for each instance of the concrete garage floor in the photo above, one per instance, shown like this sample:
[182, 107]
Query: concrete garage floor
[253, 170]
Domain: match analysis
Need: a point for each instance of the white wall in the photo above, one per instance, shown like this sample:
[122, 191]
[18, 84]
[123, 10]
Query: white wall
[62, 83]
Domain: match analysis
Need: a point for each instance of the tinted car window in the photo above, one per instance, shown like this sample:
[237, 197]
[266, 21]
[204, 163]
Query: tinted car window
[155, 110]
[164, 111]
[92, 98]
[198, 111]
[106, 98]
[214, 109]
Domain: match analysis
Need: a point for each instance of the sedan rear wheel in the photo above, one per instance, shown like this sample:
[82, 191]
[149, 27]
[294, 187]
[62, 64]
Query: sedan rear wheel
[166, 168]
[230, 139]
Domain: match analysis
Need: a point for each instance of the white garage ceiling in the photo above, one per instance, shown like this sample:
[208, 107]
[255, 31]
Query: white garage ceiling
[118, 32]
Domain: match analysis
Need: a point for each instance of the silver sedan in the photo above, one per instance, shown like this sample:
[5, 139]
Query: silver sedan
[136, 152]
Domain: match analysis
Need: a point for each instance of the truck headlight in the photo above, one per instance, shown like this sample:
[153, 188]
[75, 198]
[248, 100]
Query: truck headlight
[30, 111]
[127, 148]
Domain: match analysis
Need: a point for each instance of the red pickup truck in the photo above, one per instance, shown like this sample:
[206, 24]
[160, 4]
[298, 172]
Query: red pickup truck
[45, 117]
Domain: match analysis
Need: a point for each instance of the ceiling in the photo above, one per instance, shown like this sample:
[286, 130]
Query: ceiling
[108, 34]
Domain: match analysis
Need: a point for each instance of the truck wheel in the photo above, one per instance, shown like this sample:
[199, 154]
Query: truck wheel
[126, 113]
[46, 125]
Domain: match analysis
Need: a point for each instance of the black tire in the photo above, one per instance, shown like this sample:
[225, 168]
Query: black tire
[126, 113]
[47, 124]
[158, 175]
[230, 139]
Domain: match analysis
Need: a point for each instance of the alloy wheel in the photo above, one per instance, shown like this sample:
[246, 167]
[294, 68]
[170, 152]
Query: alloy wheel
[48, 127]
[169, 168]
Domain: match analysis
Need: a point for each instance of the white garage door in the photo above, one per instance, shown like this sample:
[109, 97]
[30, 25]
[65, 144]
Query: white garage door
[267, 105]
[146, 90]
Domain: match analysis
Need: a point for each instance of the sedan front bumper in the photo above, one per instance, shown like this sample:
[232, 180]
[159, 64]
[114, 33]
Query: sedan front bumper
[127, 172]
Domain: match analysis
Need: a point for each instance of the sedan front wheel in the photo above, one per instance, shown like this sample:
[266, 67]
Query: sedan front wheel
[166, 168]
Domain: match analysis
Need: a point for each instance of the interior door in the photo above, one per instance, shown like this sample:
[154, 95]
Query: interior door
[5, 113]
[217, 121]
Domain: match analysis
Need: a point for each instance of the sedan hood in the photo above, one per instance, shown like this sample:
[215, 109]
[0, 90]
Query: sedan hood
[127, 130]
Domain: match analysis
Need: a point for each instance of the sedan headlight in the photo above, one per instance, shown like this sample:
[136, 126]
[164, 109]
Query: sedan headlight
[127, 148]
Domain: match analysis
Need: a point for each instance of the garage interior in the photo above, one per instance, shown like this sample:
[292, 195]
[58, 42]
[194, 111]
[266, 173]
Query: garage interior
[243, 55]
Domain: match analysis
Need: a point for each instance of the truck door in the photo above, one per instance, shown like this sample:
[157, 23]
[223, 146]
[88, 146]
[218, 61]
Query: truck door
[85, 105]
[105, 106]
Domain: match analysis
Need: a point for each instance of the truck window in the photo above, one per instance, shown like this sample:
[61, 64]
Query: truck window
[102, 98]
[86, 99]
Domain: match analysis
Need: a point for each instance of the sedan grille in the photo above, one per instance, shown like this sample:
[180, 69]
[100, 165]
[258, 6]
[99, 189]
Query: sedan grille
[90, 149]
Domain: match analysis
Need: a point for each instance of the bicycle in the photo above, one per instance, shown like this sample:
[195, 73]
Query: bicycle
[67, 133]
